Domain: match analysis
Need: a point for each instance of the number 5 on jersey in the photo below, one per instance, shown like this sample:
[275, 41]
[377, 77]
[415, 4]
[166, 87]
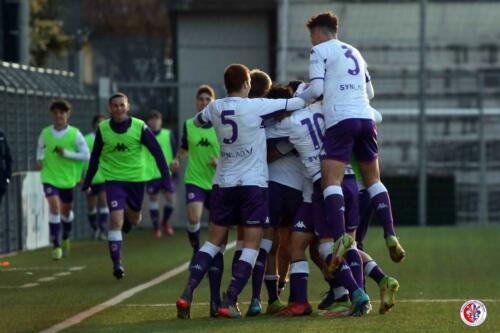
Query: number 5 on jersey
[230, 122]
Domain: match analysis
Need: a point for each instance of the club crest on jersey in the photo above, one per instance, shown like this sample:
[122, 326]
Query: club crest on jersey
[121, 147]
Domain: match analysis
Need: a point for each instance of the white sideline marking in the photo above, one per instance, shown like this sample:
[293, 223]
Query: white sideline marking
[62, 274]
[77, 268]
[79, 317]
[449, 300]
[29, 285]
[38, 268]
[46, 279]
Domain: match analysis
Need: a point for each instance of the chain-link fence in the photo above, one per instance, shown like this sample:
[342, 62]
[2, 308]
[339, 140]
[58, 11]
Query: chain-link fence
[25, 94]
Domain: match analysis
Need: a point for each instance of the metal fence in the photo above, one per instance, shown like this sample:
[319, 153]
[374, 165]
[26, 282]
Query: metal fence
[25, 94]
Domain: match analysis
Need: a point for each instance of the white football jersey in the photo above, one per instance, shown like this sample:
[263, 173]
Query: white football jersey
[287, 170]
[345, 74]
[305, 130]
[238, 124]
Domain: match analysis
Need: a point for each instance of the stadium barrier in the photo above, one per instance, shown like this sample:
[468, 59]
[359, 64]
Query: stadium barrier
[25, 94]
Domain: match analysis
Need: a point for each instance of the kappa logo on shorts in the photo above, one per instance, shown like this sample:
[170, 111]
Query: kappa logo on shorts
[114, 203]
[267, 220]
[300, 225]
[120, 147]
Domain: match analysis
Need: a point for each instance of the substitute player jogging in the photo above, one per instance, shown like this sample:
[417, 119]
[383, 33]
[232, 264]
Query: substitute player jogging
[118, 151]
[60, 152]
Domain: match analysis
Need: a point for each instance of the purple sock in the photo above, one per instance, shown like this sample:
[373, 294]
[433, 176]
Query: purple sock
[92, 216]
[167, 211]
[155, 217]
[374, 271]
[365, 215]
[382, 205]
[271, 282]
[115, 252]
[215, 277]
[258, 273]
[67, 226]
[345, 278]
[353, 259]
[236, 257]
[103, 219]
[193, 232]
[55, 229]
[299, 273]
[199, 266]
[334, 210]
[241, 274]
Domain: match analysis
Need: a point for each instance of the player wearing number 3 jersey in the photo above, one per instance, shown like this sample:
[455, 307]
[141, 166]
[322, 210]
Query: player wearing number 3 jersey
[339, 73]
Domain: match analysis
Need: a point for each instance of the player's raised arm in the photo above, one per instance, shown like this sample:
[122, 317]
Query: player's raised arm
[204, 117]
[316, 76]
[270, 107]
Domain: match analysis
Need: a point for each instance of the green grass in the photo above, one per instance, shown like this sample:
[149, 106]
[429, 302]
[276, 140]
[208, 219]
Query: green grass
[442, 263]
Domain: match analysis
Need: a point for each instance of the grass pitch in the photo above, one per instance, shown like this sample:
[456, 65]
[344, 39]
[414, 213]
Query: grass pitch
[445, 266]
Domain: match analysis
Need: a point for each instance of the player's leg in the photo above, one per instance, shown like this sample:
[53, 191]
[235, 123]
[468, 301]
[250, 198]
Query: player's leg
[388, 285]
[195, 198]
[92, 213]
[283, 259]
[215, 273]
[67, 218]
[301, 236]
[153, 188]
[52, 196]
[222, 216]
[168, 209]
[366, 151]
[255, 307]
[365, 216]
[103, 213]
[253, 208]
[274, 304]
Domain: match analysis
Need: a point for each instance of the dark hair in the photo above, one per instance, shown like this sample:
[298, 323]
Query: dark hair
[96, 119]
[294, 85]
[327, 20]
[261, 83]
[60, 104]
[279, 92]
[155, 115]
[235, 75]
[117, 95]
[205, 89]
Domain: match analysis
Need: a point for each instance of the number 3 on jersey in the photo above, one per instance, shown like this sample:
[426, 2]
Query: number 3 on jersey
[348, 54]
[230, 122]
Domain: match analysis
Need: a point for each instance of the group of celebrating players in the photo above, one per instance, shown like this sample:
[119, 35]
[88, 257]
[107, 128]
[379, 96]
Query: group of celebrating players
[292, 166]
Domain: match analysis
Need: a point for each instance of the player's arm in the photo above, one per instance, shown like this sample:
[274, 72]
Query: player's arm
[148, 139]
[277, 148]
[94, 161]
[182, 152]
[204, 117]
[317, 71]
[39, 152]
[369, 86]
[269, 108]
[82, 153]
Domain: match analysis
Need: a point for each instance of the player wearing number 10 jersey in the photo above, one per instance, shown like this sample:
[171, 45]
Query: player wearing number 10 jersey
[339, 73]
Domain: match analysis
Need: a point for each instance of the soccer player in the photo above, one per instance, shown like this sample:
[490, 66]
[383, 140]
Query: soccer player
[97, 196]
[339, 73]
[118, 152]
[239, 193]
[201, 147]
[60, 152]
[167, 143]
[304, 129]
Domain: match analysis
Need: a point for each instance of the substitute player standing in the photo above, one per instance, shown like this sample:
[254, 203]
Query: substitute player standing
[60, 152]
[200, 146]
[239, 193]
[118, 151]
[338, 71]
[166, 141]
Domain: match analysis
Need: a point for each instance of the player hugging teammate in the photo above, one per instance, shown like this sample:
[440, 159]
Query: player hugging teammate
[325, 142]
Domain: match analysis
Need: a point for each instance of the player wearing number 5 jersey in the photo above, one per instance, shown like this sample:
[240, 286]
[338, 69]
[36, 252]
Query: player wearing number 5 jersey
[339, 73]
[239, 193]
